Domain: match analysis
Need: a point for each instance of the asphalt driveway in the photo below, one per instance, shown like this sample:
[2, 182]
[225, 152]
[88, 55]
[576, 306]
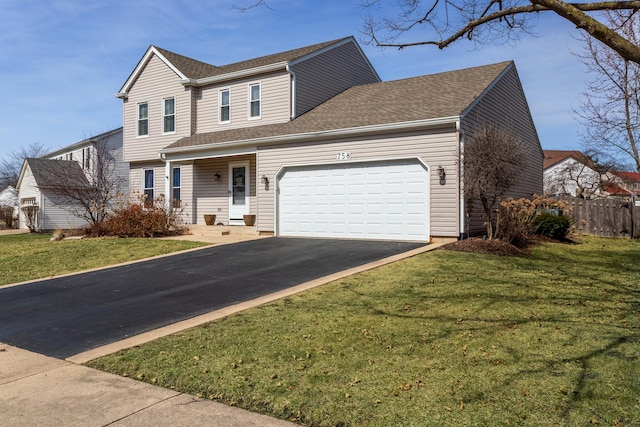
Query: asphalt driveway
[65, 316]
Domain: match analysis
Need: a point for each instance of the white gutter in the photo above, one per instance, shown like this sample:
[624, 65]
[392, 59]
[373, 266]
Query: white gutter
[235, 75]
[293, 91]
[335, 133]
[463, 222]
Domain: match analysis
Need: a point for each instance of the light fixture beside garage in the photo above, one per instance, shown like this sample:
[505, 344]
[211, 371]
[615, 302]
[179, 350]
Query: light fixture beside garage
[265, 181]
[443, 175]
[216, 177]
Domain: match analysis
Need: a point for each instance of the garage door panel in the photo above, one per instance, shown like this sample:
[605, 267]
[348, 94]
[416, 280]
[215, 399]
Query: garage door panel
[376, 200]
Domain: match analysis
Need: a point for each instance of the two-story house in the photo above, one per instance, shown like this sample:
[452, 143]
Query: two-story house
[44, 181]
[314, 144]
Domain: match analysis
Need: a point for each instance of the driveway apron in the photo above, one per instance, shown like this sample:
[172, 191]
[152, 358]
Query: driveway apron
[64, 316]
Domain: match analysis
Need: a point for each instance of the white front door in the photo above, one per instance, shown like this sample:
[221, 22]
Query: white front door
[239, 184]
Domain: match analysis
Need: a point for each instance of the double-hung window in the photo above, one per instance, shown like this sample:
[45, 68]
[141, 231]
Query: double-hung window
[169, 115]
[176, 187]
[225, 104]
[148, 187]
[143, 119]
[254, 101]
[86, 158]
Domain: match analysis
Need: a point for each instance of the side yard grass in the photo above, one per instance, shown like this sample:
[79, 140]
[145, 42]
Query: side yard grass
[32, 256]
[444, 338]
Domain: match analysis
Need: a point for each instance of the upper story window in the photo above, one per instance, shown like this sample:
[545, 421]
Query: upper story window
[225, 104]
[254, 101]
[143, 119]
[86, 158]
[69, 156]
[169, 115]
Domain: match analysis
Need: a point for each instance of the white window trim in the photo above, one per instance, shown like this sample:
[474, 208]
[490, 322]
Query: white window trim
[259, 116]
[175, 122]
[144, 183]
[138, 120]
[220, 121]
[173, 187]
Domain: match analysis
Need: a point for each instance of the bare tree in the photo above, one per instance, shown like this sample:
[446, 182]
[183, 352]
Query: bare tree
[11, 165]
[447, 21]
[585, 176]
[610, 107]
[88, 193]
[493, 160]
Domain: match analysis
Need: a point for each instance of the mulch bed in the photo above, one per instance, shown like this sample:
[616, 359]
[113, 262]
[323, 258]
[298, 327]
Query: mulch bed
[490, 247]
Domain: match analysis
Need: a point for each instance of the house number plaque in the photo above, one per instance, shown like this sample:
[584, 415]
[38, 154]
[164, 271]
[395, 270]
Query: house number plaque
[345, 155]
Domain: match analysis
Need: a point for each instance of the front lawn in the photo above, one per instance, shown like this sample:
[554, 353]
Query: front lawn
[443, 338]
[32, 256]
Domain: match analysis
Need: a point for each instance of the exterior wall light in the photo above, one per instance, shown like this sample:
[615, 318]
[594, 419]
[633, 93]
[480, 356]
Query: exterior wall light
[265, 181]
[216, 177]
[443, 175]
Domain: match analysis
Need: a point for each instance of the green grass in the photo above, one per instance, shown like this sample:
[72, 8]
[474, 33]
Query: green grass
[32, 256]
[444, 338]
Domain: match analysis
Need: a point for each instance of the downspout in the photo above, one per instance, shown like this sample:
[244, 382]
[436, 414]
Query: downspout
[463, 223]
[292, 114]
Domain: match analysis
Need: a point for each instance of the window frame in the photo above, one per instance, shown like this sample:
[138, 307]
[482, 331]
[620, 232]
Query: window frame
[252, 101]
[148, 191]
[140, 119]
[165, 116]
[176, 202]
[221, 105]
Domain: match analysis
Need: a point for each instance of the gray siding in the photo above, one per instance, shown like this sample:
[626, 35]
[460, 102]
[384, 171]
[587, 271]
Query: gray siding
[505, 105]
[326, 75]
[435, 148]
[156, 82]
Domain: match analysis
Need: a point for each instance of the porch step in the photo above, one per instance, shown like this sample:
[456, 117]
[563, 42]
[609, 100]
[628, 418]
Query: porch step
[221, 230]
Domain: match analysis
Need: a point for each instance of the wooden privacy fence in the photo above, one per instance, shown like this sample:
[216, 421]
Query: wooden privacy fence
[606, 217]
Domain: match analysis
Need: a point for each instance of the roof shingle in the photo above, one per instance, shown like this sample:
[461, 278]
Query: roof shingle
[433, 96]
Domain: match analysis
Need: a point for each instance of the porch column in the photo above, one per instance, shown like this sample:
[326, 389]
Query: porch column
[167, 182]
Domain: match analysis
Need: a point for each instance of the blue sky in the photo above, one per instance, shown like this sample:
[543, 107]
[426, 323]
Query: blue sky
[61, 61]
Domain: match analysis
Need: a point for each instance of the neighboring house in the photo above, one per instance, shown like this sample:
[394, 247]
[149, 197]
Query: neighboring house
[572, 173]
[628, 181]
[79, 163]
[9, 198]
[314, 144]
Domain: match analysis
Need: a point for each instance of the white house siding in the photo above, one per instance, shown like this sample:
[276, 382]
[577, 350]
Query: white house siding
[505, 105]
[275, 93]
[326, 75]
[211, 197]
[437, 147]
[156, 82]
[27, 190]
[59, 213]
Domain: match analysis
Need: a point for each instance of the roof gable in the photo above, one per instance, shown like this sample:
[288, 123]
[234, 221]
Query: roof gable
[50, 173]
[441, 97]
[554, 157]
[190, 71]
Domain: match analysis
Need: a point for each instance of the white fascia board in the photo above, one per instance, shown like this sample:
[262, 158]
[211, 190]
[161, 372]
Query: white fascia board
[123, 92]
[235, 75]
[320, 135]
[207, 153]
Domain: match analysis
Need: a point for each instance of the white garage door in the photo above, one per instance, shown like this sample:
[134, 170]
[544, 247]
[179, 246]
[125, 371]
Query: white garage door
[377, 200]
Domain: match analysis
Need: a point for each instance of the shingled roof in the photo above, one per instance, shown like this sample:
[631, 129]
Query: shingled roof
[52, 173]
[433, 96]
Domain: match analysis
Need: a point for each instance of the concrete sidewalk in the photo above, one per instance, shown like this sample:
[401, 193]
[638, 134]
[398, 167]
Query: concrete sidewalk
[36, 390]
